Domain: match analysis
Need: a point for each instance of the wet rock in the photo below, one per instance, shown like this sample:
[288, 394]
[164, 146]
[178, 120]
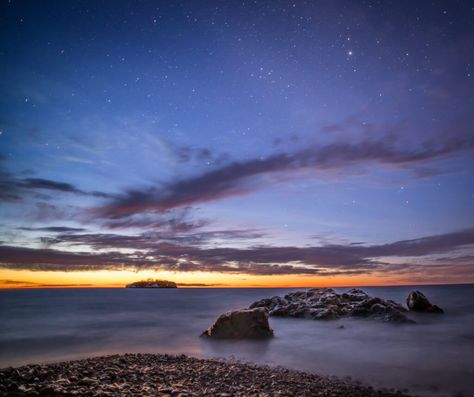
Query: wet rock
[418, 302]
[326, 304]
[241, 324]
[355, 295]
[270, 303]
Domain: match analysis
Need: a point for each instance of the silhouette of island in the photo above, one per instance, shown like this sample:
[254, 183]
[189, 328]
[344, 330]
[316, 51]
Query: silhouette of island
[150, 283]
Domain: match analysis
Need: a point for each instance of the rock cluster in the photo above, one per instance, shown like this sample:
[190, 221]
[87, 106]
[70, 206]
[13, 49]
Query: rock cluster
[163, 375]
[326, 304]
[418, 302]
[248, 323]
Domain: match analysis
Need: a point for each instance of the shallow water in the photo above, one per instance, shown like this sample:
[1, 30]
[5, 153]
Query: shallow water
[432, 358]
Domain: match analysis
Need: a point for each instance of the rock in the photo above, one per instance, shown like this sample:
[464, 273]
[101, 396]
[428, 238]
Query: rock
[269, 303]
[418, 302]
[241, 324]
[395, 316]
[326, 304]
[355, 295]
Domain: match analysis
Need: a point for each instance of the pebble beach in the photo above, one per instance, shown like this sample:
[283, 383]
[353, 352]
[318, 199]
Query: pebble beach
[168, 375]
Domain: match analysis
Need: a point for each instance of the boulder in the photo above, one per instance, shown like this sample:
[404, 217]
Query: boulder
[418, 302]
[241, 324]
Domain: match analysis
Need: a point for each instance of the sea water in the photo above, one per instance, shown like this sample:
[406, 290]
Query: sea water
[433, 357]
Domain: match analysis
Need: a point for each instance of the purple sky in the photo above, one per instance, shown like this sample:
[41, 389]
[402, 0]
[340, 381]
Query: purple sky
[266, 137]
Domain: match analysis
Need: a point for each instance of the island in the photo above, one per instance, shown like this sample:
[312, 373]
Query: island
[150, 283]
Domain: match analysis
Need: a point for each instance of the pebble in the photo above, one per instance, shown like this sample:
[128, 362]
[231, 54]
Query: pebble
[174, 376]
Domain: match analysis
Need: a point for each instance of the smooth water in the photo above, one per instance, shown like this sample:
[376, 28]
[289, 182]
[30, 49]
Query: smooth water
[433, 357]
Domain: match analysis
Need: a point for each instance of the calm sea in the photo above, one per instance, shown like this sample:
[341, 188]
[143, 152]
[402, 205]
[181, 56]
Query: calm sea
[432, 358]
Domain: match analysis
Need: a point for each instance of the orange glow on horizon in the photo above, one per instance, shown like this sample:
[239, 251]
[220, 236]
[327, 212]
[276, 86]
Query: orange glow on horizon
[13, 279]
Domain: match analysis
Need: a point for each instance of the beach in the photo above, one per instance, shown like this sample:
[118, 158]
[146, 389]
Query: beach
[168, 375]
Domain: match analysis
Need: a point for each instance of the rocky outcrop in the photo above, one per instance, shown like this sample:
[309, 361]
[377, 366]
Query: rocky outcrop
[152, 284]
[326, 304]
[241, 324]
[418, 302]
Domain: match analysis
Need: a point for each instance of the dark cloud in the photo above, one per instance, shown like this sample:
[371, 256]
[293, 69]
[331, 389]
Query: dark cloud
[260, 260]
[48, 259]
[53, 229]
[238, 178]
[46, 184]
[37, 183]
[13, 189]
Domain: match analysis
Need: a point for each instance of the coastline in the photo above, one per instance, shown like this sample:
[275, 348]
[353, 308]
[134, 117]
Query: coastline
[170, 375]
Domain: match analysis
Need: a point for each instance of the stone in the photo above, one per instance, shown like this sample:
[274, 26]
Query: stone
[355, 295]
[241, 324]
[418, 302]
[326, 304]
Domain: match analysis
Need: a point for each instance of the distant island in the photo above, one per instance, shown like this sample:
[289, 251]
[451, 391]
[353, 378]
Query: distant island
[150, 283]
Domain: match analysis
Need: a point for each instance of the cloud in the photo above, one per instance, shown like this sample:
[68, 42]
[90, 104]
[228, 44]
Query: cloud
[149, 240]
[52, 229]
[29, 284]
[9, 197]
[48, 259]
[46, 184]
[15, 282]
[37, 183]
[14, 189]
[238, 178]
[175, 221]
[322, 260]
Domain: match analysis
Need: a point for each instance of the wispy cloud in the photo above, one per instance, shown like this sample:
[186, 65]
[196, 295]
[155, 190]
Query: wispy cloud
[238, 178]
[29, 284]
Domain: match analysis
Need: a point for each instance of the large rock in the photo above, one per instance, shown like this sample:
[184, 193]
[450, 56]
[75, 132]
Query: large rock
[241, 324]
[418, 302]
[326, 304]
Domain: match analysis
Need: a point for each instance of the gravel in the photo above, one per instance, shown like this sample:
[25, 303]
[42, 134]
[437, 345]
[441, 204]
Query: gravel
[167, 375]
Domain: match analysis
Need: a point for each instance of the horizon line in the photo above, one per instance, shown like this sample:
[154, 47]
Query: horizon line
[123, 286]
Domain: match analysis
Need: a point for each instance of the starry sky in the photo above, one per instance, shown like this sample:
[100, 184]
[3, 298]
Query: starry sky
[227, 143]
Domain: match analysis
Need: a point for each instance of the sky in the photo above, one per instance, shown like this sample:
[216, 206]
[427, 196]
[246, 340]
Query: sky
[227, 143]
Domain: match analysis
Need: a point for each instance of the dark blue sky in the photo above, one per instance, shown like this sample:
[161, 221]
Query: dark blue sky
[226, 135]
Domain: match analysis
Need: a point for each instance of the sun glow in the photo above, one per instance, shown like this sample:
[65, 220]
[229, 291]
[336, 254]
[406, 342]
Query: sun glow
[119, 278]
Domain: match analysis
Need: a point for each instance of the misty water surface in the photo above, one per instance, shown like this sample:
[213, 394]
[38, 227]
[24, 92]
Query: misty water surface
[434, 357]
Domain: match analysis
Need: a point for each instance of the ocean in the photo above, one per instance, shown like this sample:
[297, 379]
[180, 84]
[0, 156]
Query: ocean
[434, 357]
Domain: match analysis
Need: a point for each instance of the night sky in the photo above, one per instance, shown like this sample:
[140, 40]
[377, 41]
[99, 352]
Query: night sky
[236, 143]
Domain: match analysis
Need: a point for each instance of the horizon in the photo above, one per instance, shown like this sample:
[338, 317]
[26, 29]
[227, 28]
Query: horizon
[236, 145]
[18, 285]
[120, 286]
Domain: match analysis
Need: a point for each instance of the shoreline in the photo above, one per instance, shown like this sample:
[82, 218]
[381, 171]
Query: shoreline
[174, 375]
